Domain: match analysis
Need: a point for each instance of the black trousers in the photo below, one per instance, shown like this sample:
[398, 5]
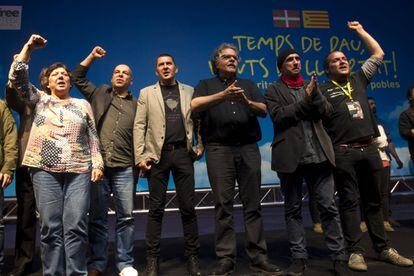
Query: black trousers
[225, 166]
[385, 191]
[180, 163]
[357, 174]
[26, 222]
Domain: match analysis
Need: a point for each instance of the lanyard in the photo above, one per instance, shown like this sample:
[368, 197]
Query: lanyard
[348, 86]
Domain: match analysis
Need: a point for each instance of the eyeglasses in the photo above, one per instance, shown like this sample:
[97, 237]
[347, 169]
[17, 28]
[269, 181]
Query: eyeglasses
[227, 57]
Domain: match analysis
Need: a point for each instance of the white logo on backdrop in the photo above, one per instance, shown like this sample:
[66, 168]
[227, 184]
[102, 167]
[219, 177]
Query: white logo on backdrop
[10, 17]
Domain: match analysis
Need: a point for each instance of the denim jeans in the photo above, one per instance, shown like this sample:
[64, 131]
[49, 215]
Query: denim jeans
[119, 182]
[62, 200]
[319, 178]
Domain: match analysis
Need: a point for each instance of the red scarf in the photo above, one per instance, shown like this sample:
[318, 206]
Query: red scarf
[292, 82]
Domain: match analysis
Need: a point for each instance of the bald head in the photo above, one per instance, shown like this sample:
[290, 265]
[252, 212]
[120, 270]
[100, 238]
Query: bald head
[121, 78]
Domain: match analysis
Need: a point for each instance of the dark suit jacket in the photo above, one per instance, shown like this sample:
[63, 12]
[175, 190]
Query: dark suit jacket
[288, 142]
[100, 97]
[405, 124]
[25, 108]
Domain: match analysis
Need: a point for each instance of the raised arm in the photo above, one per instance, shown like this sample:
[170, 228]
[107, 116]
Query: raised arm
[85, 86]
[372, 45]
[19, 73]
[97, 53]
[35, 42]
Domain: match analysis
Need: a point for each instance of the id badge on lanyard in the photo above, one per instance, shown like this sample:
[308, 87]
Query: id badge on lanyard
[355, 110]
[354, 107]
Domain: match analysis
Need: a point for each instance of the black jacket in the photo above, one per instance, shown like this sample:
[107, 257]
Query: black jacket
[288, 142]
[405, 124]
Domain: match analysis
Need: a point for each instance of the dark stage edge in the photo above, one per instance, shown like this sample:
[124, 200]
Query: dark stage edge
[173, 262]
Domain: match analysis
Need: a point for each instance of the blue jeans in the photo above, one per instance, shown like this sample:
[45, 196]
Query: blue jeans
[319, 178]
[62, 200]
[119, 181]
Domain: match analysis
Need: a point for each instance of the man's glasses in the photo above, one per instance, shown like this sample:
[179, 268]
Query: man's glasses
[227, 57]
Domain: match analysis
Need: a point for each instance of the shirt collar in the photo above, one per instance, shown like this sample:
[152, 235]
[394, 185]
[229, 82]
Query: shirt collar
[227, 81]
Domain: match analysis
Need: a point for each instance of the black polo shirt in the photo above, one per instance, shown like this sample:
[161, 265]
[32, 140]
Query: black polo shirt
[341, 127]
[229, 122]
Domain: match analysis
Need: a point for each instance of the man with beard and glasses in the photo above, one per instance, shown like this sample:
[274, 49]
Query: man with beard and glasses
[114, 109]
[302, 150]
[352, 128]
[228, 107]
[164, 143]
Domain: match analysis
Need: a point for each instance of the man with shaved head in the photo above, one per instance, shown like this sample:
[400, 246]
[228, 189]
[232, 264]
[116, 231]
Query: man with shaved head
[114, 110]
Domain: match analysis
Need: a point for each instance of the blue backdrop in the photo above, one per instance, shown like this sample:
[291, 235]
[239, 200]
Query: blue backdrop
[135, 33]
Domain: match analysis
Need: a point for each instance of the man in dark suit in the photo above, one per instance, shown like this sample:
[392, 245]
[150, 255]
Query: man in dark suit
[25, 244]
[303, 150]
[406, 122]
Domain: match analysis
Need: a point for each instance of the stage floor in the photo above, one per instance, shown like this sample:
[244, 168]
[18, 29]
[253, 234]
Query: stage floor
[173, 260]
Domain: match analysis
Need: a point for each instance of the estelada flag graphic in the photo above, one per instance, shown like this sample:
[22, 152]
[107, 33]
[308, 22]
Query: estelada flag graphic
[286, 18]
[315, 19]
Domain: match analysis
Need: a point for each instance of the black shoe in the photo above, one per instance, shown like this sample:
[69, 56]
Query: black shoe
[94, 272]
[266, 268]
[393, 222]
[193, 266]
[297, 267]
[341, 268]
[152, 266]
[224, 268]
[21, 271]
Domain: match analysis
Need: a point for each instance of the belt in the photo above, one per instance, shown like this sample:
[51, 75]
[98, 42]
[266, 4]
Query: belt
[234, 144]
[358, 145]
[174, 146]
